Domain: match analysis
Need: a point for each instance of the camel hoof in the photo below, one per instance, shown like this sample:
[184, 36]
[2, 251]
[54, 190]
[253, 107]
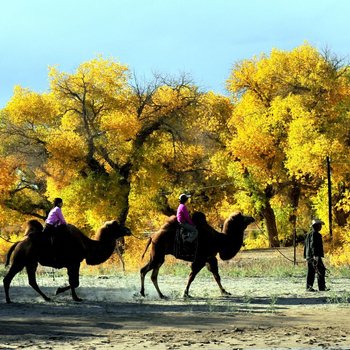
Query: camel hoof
[8, 301]
[78, 299]
[225, 293]
[47, 299]
[164, 297]
[187, 296]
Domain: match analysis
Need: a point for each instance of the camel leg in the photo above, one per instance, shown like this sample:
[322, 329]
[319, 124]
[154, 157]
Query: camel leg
[144, 270]
[154, 278]
[195, 267]
[31, 270]
[212, 265]
[62, 289]
[151, 265]
[120, 256]
[73, 273]
[14, 269]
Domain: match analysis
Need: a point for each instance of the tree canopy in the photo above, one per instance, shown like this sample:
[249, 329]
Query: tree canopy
[114, 147]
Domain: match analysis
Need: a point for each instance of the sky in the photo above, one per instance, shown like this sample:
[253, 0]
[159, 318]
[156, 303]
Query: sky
[202, 38]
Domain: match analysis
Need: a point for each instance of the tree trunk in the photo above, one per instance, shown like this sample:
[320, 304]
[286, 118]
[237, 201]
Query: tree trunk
[340, 216]
[271, 226]
[125, 209]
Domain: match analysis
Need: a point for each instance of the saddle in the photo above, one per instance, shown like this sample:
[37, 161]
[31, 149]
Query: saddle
[56, 242]
[183, 248]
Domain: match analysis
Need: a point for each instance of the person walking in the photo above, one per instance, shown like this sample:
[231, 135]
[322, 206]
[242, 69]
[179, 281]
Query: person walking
[313, 253]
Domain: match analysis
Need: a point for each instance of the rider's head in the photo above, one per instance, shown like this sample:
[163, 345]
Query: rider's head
[57, 202]
[183, 198]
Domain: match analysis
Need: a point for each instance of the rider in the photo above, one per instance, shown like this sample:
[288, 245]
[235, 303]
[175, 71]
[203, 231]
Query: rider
[55, 217]
[55, 220]
[184, 219]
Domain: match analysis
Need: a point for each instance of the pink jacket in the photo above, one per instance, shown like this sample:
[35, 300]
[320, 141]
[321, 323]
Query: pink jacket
[182, 215]
[55, 217]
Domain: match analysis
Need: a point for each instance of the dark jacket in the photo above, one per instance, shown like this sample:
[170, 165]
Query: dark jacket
[313, 245]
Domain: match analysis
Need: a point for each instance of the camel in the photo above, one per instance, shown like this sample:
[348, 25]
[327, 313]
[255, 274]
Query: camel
[210, 243]
[69, 249]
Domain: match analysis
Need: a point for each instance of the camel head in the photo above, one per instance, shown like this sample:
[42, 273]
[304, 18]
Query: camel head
[237, 222]
[234, 228]
[115, 229]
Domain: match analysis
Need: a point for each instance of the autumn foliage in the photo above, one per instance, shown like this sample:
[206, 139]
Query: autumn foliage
[113, 147]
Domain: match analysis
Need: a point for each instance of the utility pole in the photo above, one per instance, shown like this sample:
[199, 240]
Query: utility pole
[329, 195]
[294, 246]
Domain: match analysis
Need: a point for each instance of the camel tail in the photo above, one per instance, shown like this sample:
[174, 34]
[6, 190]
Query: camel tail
[9, 253]
[148, 244]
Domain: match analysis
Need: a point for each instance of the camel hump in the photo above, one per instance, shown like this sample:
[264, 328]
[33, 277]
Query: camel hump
[235, 214]
[170, 221]
[168, 228]
[32, 227]
[199, 218]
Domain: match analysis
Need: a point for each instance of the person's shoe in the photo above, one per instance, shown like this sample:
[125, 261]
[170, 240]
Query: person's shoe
[310, 289]
[325, 289]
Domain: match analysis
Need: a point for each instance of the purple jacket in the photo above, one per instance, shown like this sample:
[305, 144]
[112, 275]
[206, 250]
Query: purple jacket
[55, 217]
[182, 215]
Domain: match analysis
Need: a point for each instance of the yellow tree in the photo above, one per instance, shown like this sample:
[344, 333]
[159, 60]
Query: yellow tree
[111, 131]
[24, 128]
[184, 158]
[8, 179]
[99, 139]
[277, 98]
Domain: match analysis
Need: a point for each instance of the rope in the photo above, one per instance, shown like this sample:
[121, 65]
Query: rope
[6, 240]
[204, 187]
[276, 248]
[327, 271]
[315, 265]
[286, 257]
[230, 183]
[142, 238]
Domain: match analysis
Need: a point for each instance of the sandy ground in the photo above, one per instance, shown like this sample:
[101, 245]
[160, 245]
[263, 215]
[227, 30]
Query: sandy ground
[261, 313]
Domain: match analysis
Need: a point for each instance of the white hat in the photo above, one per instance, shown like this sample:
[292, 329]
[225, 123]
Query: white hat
[183, 196]
[316, 221]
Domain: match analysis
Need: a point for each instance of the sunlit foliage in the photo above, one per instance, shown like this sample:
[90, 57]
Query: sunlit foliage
[289, 116]
[114, 147]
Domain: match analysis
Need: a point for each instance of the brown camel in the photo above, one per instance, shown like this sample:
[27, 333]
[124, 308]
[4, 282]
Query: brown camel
[210, 242]
[68, 249]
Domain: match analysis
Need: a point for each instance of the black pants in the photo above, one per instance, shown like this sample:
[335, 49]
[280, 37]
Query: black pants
[316, 267]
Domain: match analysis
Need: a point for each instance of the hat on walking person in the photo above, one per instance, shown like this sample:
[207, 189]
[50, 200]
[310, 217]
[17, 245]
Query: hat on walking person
[317, 222]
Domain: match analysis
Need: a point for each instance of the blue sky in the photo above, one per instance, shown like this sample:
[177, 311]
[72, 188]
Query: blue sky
[201, 37]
